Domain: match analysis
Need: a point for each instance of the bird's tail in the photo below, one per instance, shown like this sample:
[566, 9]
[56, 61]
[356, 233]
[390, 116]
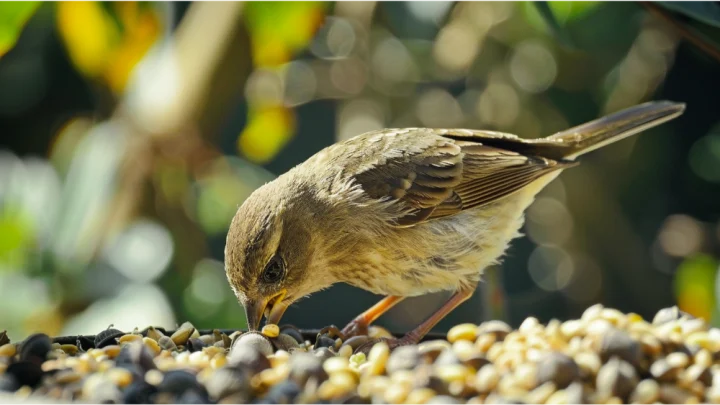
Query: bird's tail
[595, 134]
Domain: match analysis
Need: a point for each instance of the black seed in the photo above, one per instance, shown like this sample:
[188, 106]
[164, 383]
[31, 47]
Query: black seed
[227, 381]
[324, 341]
[248, 357]
[25, 373]
[8, 383]
[138, 355]
[107, 337]
[284, 342]
[283, 393]
[294, 332]
[323, 353]
[476, 361]
[619, 343]
[178, 381]
[195, 345]
[558, 369]
[35, 348]
[304, 366]
[403, 358]
[194, 396]
[356, 341]
[617, 377]
[139, 392]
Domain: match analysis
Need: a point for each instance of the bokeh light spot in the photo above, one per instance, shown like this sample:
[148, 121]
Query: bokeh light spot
[142, 252]
[551, 268]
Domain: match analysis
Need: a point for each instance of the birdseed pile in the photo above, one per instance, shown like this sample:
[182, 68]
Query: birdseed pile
[604, 357]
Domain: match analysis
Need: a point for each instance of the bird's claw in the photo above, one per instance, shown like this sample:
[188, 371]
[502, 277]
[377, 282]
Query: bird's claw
[333, 332]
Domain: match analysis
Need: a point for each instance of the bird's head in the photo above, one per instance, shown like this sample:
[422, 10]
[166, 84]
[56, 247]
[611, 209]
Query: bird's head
[272, 252]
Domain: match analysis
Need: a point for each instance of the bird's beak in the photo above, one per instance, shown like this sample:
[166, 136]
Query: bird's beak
[273, 308]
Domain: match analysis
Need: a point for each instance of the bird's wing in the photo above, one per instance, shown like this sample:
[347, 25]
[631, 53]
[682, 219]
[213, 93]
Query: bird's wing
[436, 173]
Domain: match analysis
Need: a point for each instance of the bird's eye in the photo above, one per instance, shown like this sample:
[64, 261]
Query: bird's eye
[274, 270]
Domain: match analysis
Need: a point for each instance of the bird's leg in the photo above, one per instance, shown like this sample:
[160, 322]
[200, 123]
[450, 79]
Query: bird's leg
[414, 336]
[359, 325]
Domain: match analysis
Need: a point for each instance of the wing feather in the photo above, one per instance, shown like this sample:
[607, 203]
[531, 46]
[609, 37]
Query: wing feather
[437, 173]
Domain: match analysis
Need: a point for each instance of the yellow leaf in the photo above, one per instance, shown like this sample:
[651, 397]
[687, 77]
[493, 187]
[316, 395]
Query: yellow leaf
[141, 32]
[268, 130]
[89, 35]
[13, 17]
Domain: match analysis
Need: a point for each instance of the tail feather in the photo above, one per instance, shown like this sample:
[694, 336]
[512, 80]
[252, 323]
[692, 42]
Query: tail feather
[614, 127]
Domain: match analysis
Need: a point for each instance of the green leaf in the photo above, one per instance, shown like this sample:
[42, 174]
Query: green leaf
[543, 7]
[706, 12]
[13, 17]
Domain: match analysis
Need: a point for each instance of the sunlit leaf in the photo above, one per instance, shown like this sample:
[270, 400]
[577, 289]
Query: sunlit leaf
[279, 29]
[15, 237]
[707, 12]
[13, 17]
[695, 285]
[89, 35]
[268, 130]
[550, 19]
[107, 40]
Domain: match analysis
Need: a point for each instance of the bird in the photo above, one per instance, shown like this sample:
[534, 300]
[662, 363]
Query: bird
[401, 213]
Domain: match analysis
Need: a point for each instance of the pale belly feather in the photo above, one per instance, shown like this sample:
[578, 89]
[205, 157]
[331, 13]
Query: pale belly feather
[448, 253]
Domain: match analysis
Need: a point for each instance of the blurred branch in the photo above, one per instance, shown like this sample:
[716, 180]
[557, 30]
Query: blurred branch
[685, 32]
[186, 65]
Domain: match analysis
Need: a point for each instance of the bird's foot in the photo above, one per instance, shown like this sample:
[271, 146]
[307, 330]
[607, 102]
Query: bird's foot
[356, 327]
[333, 332]
[393, 343]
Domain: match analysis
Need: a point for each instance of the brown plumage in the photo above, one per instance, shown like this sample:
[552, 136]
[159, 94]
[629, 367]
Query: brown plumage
[402, 212]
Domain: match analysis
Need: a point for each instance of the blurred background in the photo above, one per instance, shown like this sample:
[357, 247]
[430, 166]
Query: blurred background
[130, 132]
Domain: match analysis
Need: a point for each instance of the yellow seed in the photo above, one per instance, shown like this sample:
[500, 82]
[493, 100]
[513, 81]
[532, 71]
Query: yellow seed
[152, 345]
[105, 365]
[464, 331]
[453, 372]
[154, 377]
[129, 338]
[704, 358]
[335, 364]
[378, 332]
[700, 339]
[345, 351]
[331, 389]
[559, 397]
[396, 393]
[213, 351]
[121, 377]
[485, 342]
[218, 361]
[8, 350]
[420, 396]
[633, 317]
[377, 358]
[69, 349]
[403, 377]
[67, 377]
[111, 351]
[344, 379]
[199, 359]
[271, 330]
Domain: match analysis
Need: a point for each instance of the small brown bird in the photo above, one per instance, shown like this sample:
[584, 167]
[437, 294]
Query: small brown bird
[402, 212]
